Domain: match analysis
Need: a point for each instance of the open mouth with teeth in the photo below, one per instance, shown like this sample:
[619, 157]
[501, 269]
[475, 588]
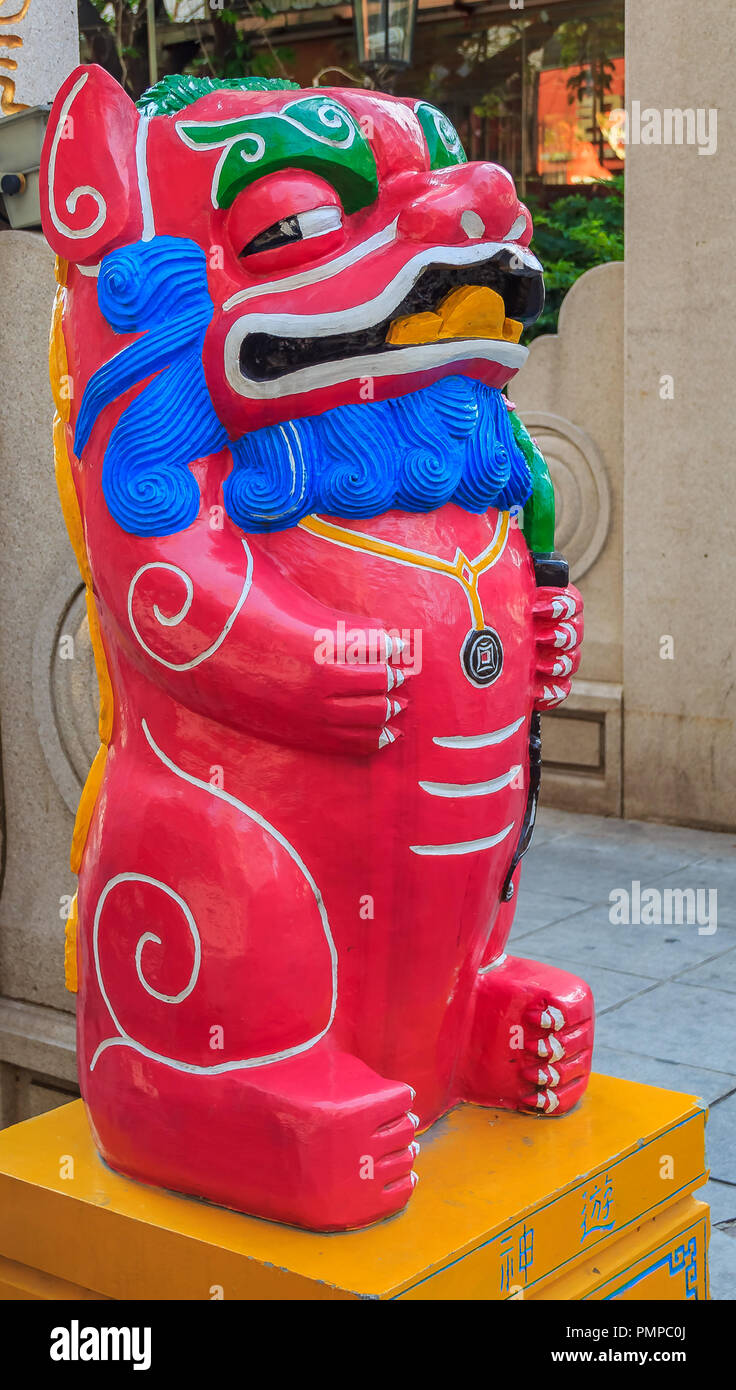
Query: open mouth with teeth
[487, 302]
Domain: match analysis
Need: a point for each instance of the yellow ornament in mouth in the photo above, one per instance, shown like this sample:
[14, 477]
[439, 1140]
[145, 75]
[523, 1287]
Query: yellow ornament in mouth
[474, 311]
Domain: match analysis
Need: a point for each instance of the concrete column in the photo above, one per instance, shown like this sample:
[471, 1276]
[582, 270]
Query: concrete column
[680, 404]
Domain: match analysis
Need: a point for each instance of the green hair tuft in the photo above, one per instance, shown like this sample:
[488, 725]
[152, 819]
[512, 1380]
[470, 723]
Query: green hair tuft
[176, 92]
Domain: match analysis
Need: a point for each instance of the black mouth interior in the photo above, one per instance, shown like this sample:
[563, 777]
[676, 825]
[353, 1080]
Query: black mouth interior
[264, 357]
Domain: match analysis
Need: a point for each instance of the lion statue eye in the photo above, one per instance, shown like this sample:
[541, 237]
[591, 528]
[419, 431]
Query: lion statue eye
[301, 226]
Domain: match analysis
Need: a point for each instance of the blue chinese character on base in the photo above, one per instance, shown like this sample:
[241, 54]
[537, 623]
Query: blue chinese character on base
[521, 1242]
[507, 1261]
[597, 1214]
[526, 1251]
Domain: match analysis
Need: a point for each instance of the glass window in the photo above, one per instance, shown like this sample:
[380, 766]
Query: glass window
[540, 89]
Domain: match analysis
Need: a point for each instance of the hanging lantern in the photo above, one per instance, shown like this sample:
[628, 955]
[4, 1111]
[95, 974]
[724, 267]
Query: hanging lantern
[384, 33]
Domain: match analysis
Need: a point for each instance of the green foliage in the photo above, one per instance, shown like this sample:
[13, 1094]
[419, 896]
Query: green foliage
[570, 236]
[232, 52]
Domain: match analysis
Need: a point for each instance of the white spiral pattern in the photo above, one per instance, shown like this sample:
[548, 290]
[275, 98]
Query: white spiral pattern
[123, 1037]
[175, 618]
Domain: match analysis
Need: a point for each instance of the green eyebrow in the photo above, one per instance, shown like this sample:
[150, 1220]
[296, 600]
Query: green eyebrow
[443, 142]
[311, 133]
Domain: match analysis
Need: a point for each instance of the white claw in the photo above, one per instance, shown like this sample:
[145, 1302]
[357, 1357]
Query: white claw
[562, 667]
[398, 678]
[540, 1100]
[413, 1092]
[414, 1178]
[554, 1075]
[414, 1118]
[386, 737]
[389, 646]
[552, 1102]
[564, 606]
[415, 1147]
[565, 636]
[556, 1050]
[392, 679]
[557, 1016]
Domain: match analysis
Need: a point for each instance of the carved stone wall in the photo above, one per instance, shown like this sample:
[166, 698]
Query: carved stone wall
[570, 396]
[65, 698]
[44, 699]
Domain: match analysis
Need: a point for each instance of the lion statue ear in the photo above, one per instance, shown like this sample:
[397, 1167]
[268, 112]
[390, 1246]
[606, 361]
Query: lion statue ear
[90, 199]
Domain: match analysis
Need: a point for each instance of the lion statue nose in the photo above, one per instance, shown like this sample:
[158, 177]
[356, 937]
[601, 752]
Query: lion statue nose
[469, 202]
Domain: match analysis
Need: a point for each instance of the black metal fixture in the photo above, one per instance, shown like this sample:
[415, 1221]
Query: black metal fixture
[384, 34]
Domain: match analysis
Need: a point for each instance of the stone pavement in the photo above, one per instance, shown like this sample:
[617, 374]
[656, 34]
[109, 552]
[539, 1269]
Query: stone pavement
[665, 994]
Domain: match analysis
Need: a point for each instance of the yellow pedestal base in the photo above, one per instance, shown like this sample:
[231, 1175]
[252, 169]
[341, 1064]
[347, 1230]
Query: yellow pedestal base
[596, 1205]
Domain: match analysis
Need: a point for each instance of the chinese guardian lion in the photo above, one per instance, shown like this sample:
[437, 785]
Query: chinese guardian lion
[318, 550]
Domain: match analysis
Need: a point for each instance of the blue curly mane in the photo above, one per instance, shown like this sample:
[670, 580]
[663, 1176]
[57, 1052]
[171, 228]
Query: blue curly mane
[452, 441]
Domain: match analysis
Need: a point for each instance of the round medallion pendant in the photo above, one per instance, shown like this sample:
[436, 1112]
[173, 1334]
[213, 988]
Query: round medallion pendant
[482, 656]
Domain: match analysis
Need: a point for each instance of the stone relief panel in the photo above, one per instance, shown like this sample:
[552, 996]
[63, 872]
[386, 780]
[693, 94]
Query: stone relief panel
[570, 396]
[34, 555]
[582, 494]
[65, 686]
